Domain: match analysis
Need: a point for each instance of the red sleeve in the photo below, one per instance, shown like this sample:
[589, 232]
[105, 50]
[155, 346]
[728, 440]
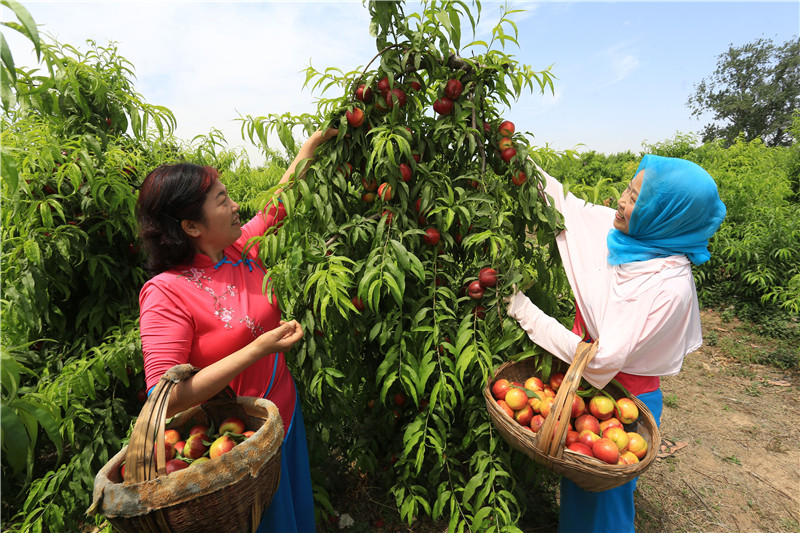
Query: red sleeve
[166, 331]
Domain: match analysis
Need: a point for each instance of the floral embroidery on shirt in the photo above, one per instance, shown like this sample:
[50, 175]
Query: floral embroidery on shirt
[196, 277]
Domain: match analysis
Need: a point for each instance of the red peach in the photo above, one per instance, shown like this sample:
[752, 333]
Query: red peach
[587, 421]
[611, 422]
[572, 437]
[626, 411]
[534, 383]
[637, 444]
[606, 450]
[580, 448]
[619, 437]
[523, 416]
[504, 406]
[601, 407]
[588, 437]
[556, 379]
[536, 422]
[500, 388]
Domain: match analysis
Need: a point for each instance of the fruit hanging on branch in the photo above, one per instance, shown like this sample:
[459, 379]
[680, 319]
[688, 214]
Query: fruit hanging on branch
[449, 209]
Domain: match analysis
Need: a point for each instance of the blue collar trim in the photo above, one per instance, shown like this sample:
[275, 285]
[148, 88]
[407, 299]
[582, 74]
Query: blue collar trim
[246, 260]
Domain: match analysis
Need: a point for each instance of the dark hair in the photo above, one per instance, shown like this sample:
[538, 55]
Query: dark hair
[168, 195]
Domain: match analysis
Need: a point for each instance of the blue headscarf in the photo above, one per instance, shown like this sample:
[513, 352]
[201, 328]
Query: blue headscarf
[676, 212]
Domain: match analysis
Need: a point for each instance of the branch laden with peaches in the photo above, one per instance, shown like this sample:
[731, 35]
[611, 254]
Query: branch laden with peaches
[409, 227]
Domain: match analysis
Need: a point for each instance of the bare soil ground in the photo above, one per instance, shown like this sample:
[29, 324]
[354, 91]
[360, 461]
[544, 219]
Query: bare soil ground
[739, 470]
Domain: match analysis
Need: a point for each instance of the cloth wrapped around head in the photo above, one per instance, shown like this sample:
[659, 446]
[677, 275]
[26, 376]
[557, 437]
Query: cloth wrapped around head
[678, 209]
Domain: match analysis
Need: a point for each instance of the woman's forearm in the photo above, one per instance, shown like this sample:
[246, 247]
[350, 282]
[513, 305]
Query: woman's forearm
[542, 329]
[211, 379]
[307, 151]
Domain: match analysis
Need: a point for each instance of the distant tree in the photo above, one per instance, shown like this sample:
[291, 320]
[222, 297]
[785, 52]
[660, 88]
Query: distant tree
[754, 92]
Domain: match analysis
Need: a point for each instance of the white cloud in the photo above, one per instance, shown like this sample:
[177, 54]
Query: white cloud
[210, 62]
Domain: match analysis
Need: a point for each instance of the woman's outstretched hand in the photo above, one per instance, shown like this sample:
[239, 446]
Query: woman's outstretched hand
[510, 298]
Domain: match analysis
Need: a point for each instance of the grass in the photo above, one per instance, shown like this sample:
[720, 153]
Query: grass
[671, 401]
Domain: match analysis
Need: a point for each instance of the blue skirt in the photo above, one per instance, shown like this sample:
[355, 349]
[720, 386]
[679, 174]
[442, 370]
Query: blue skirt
[609, 511]
[292, 507]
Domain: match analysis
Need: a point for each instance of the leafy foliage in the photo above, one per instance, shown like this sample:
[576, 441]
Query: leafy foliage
[756, 254]
[396, 353]
[753, 92]
[75, 146]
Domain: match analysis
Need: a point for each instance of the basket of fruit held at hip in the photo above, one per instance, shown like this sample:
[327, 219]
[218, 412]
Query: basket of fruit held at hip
[216, 463]
[599, 439]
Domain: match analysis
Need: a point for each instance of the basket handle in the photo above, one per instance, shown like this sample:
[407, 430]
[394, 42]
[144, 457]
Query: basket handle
[550, 438]
[148, 432]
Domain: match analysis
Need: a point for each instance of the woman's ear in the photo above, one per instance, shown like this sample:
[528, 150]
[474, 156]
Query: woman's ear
[190, 228]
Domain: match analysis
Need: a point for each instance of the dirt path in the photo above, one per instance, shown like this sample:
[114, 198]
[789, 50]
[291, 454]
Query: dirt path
[740, 469]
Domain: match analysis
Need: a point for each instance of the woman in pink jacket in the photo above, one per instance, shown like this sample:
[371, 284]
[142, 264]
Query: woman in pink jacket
[205, 306]
[630, 272]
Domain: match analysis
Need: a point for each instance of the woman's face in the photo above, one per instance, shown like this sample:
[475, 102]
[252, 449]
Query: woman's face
[627, 202]
[220, 226]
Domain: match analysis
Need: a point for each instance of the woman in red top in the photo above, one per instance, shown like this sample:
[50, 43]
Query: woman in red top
[205, 306]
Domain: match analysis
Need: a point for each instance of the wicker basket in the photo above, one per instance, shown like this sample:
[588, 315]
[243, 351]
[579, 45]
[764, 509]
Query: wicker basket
[229, 492]
[547, 445]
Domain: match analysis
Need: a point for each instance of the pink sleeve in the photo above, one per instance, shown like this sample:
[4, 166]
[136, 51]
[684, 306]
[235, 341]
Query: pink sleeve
[166, 331]
[266, 218]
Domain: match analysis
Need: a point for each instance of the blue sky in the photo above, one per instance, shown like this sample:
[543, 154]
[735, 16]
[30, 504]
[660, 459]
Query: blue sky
[625, 69]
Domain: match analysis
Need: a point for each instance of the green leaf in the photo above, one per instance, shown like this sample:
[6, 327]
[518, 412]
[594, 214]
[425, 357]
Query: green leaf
[28, 23]
[8, 167]
[15, 438]
[8, 60]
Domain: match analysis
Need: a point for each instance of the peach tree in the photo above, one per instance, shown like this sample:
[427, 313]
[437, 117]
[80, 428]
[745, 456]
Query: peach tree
[77, 140]
[404, 235]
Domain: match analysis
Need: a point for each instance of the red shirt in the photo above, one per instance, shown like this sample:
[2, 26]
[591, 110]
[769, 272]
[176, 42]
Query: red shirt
[202, 312]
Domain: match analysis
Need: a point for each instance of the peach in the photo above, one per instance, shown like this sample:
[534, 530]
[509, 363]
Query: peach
[587, 421]
[611, 422]
[580, 448]
[637, 444]
[601, 407]
[506, 409]
[629, 457]
[500, 388]
[572, 436]
[546, 406]
[578, 406]
[536, 422]
[516, 398]
[524, 415]
[606, 450]
[534, 383]
[626, 411]
[619, 436]
[588, 437]
[556, 380]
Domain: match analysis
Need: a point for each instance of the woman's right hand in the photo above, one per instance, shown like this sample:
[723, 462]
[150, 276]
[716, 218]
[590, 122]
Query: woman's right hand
[282, 338]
